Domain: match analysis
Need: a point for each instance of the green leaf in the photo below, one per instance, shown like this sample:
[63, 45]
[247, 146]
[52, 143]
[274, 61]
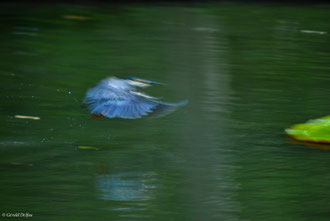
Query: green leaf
[317, 130]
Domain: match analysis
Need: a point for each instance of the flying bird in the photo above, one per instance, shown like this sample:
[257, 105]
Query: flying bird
[114, 97]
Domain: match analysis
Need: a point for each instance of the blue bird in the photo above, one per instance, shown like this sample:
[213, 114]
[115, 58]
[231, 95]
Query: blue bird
[114, 97]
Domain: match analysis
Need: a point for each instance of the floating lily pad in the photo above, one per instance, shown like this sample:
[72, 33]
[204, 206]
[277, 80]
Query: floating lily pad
[317, 130]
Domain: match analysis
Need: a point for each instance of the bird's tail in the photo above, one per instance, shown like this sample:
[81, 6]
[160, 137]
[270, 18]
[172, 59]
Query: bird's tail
[163, 108]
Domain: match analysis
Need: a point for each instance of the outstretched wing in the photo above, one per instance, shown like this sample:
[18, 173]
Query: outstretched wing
[129, 108]
[111, 103]
[133, 108]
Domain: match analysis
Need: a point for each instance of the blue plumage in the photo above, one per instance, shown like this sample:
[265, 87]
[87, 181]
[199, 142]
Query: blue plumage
[114, 97]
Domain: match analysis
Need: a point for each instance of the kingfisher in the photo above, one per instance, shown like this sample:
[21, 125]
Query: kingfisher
[118, 98]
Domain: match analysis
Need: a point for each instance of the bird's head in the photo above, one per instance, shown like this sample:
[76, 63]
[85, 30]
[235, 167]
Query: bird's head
[139, 82]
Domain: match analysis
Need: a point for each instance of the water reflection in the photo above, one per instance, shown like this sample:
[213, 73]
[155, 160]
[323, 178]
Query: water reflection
[128, 186]
[207, 163]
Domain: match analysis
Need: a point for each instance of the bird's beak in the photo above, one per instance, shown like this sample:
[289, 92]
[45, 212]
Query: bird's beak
[149, 82]
[153, 82]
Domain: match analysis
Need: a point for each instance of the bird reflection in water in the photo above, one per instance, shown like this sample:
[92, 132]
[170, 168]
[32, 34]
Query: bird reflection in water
[114, 97]
[125, 186]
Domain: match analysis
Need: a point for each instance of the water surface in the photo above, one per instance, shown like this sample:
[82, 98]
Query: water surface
[248, 71]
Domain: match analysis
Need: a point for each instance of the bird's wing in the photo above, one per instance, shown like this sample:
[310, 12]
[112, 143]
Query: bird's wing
[132, 108]
[110, 102]
[128, 108]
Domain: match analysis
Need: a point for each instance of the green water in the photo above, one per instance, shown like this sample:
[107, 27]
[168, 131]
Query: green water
[248, 71]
